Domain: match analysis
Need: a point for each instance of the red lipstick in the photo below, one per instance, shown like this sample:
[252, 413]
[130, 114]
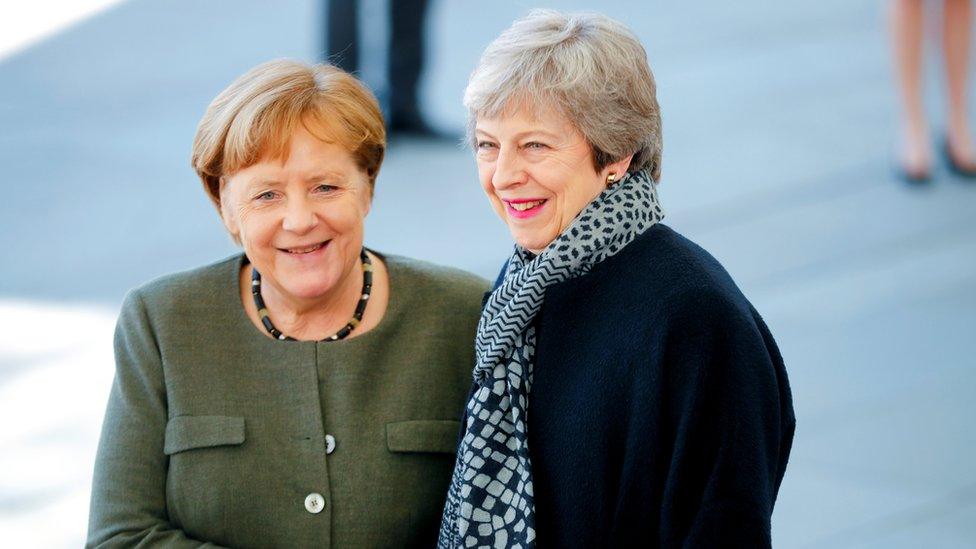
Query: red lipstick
[524, 208]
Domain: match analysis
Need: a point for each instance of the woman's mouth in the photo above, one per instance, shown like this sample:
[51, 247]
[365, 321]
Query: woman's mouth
[305, 250]
[524, 208]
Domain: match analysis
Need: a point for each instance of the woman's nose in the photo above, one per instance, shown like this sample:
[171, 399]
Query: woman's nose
[508, 169]
[300, 217]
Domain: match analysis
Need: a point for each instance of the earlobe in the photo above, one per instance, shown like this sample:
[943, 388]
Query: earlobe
[617, 171]
[368, 195]
[622, 166]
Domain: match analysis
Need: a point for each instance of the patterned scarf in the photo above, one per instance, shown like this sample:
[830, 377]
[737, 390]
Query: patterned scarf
[490, 501]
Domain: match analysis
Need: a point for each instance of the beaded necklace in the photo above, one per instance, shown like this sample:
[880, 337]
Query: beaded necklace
[341, 334]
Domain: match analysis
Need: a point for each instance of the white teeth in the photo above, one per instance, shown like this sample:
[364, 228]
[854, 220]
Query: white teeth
[303, 250]
[522, 206]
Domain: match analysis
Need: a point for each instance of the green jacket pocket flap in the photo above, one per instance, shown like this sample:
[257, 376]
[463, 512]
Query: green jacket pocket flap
[188, 432]
[422, 436]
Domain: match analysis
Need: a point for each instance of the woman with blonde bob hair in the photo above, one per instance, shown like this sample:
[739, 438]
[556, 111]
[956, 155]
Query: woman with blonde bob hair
[305, 392]
[625, 392]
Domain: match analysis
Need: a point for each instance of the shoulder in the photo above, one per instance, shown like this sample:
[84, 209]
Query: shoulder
[685, 278]
[664, 273]
[694, 316]
[665, 258]
[434, 281]
[204, 287]
[659, 290]
[695, 312]
[667, 298]
[442, 304]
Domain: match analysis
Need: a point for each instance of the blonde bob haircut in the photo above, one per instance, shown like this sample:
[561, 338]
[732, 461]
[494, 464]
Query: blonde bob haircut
[254, 118]
[587, 66]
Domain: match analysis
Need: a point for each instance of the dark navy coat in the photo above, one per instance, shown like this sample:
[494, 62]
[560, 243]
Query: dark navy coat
[660, 412]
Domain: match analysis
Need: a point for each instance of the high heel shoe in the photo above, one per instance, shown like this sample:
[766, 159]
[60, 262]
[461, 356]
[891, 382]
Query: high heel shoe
[968, 172]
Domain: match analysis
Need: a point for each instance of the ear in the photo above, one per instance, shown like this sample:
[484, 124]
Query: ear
[227, 213]
[618, 168]
[367, 196]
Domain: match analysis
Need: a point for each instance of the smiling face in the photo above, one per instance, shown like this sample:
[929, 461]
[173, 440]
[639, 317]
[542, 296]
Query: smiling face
[300, 220]
[537, 170]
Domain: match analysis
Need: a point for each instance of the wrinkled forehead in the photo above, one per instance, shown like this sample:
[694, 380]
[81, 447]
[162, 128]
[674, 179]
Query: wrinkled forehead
[523, 114]
[302, 155]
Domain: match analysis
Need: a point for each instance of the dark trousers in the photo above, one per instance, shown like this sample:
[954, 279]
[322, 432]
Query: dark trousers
[406, 51]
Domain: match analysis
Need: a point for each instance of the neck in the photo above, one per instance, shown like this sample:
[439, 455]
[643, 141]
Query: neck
[314, 318]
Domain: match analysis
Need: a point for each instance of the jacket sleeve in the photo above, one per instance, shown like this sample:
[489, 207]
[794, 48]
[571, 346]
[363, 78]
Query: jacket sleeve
[732, 417]
[128, 503]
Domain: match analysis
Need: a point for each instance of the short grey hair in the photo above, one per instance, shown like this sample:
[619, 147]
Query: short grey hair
[588, 66]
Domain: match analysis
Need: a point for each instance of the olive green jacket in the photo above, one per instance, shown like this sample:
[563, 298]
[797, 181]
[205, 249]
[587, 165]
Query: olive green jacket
[217, 434]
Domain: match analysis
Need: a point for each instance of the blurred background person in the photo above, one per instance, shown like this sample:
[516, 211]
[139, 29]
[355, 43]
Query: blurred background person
[907, 20]
[406, 53]
[306, 392]
[626, 392]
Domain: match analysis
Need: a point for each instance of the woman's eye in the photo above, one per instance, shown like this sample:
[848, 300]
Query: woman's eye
[536, 145]
[325, 188]
[266, 195]
[485, 145]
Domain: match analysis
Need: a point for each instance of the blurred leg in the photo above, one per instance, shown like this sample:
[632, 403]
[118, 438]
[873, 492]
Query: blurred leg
[907, 34]
[406, 63]
[955, 43]
[342, 36]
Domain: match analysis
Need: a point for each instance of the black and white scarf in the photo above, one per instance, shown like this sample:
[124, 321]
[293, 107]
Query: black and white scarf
[490, 502]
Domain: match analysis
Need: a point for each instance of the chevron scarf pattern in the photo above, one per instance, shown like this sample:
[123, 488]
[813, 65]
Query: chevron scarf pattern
[490, 502]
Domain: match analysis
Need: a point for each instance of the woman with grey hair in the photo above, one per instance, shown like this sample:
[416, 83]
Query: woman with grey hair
[625, 391]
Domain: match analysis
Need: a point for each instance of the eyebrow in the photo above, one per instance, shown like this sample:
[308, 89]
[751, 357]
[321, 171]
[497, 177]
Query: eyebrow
[261, 182]
[520, 135]
[319, 176]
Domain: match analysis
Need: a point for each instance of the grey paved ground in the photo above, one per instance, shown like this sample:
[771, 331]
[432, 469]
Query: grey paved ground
[778, 132]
